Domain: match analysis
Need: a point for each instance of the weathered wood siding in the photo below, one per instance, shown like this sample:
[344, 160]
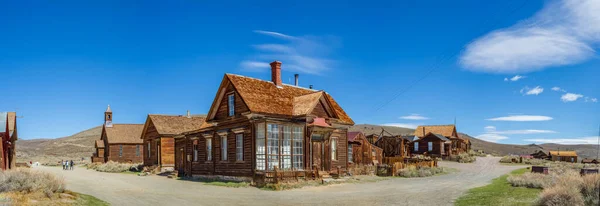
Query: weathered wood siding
[424, 147]
[167, 153]
[342, 150]
[320, 111]
[129, 154]
[363, 153]
[240, 106]
[151, 136]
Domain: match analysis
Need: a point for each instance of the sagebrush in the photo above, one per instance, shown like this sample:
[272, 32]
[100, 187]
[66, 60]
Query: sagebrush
[30, 181]
[421, 172]
[463, 158]
[114, 167]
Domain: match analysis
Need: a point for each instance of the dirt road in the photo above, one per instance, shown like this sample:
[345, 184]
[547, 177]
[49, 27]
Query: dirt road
[127, 189]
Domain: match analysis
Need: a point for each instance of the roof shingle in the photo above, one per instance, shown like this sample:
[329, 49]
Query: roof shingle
[563, 153]
[124, 133]
[176, 124]
[445, 130]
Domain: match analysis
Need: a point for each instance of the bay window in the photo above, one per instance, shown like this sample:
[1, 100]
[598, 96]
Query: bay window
[260, 147]
[280, 146]
[273, 146]
[286, 148]
[298, 148]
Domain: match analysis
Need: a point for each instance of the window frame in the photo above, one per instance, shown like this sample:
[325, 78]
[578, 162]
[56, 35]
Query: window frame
[239, 147]
[208, 145]
[231, 104]
[429, 146]
[224, 156]
[137, 151]
[334, 148]
[149, 149]
[350, 153]
[120, 150]
[195, 151]
[416, 146]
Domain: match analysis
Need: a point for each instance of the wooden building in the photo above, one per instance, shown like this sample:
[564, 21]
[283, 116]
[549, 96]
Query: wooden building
[431, 144]
[98, 156]
[158, 133]
[255, 126]
[8, 138]
[563, 156]
[455, 146]
[393, 146]
[540, 155]
[589, 161]
[120, 142]
[360, 151]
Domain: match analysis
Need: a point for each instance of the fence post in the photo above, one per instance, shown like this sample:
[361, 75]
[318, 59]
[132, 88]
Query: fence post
[276, 174]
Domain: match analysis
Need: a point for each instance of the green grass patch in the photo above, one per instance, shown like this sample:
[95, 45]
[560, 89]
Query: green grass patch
[215, 182]
[500, 192]
[89, 200]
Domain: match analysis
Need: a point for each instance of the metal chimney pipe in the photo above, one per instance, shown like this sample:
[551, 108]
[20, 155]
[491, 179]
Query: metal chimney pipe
[296, 79]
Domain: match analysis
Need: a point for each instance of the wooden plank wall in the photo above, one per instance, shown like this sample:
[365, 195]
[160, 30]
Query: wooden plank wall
[150, 136]
[240, 106]
[129, 153]
[167, 152]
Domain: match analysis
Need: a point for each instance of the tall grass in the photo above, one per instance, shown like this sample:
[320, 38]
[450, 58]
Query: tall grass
[29, 181]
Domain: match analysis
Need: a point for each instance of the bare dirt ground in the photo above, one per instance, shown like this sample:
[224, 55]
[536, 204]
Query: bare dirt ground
[127, 189]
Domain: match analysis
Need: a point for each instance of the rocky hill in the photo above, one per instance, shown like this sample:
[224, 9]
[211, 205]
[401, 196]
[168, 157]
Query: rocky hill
[75, 147]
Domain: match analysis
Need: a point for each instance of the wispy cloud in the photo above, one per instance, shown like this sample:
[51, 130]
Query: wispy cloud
[403, 125]
[532, 91]
[414, 117]
[515, 78]
[521, 118]
[570, 97]
[303, 54]
[493, 135]
[562, 33]
[569, 141]
[558, 89]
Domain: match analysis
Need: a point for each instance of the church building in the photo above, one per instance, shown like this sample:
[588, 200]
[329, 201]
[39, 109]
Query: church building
[119, 142]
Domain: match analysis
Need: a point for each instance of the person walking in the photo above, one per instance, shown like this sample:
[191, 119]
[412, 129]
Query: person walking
[63, 163]
[67, 164]
[71, 164]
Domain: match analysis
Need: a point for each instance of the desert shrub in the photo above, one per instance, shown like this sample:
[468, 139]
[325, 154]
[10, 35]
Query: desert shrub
[530, 180]
[463, 158]
[362, 169]
[421, 172]
[114, 167]
[477, 154]
[29, 181]
[590, 189]
[507, 159]
[559, 196]
[534, 161]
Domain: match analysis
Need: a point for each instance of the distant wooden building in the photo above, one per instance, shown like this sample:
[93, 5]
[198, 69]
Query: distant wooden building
[120, 142]
[431, 144]
[8, 138]
[393, 146]
[360, 151]
[98, 156]
[589, 161]
[563, 156]
[255, 126]
[455, 146]
[540, 155]
[158, 133]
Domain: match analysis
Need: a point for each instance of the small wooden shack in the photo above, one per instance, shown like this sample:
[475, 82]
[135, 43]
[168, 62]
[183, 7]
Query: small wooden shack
[563, 156]
[360, 151]
[98, 156]
[539, 155]
[8, 138]
[393, 146]
[589, 161]
[455, 146]
[431, 145]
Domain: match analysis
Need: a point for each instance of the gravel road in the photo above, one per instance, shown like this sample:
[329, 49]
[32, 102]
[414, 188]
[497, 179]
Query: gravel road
[127, 189]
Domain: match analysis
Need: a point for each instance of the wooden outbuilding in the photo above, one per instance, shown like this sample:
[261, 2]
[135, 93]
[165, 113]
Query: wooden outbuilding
[393, 146]
[255, 127]
[158, 137]
[431, 144]
[455, 146]
[563, 156]
[540, 155]
[360, 151]
[120, 142]
[589, 161]
[8, 138]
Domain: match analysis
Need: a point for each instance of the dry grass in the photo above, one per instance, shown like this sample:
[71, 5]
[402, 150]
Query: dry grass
[530, 180]
[28, 181]
[560, 196]
[463, 158]
[591, 189]
[422, 172]
[114, 167]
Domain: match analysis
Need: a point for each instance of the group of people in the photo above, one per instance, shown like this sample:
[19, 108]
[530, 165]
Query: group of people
[67, 165]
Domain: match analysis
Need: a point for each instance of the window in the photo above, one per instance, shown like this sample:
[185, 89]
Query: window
[416, 146]
[224, 147]
[120, 150]
[429, 146]
[260, 146]
[148, 149]
[286, 148]
[350, 153]
[231, 104]
[137, 150]
[298, 148]
[239, 147]
[334, 149]
[195, 147]
[273, 146]
[208, 149]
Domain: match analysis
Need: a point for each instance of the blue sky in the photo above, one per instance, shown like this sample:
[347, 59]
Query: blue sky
[492, 65]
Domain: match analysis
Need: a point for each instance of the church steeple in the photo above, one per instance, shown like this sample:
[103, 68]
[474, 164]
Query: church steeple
[108, 117]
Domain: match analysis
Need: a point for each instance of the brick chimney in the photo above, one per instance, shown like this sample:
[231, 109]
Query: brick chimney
[276, 73]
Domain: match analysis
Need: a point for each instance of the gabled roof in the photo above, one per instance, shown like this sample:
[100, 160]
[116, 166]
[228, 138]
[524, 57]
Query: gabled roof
[441, 137]
[124, 133]
[445, 130]
[352, 136]
[264, 97]
[176, 124]
[99, 144]
[563, 153]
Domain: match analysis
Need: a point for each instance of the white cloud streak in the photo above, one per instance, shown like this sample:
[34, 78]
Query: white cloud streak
[532, 91]
[568, 141]
[562, 33]
[307, 54]
[515, 78]
[414, 117]
[570, 97]
[521, 118]
[491, 137]
[403, 125]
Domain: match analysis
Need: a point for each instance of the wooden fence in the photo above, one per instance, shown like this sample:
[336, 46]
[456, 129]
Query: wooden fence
[395, 164]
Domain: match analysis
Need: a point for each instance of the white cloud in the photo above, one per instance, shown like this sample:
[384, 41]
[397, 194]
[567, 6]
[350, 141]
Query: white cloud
[491, 137]
[570, 97]
[525, 131]
[506, 79]
[532, 91]
[515, 78]
[306, 54]
[414, 117]
[558, 89]
[562, 33]
[489, 129]
[403, 125]
[521, 118]
[581, 140]
[594, 100]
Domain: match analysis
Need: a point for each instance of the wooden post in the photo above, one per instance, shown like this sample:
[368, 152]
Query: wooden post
[276, 176]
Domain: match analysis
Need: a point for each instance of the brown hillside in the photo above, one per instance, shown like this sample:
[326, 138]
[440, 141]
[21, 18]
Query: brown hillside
[75, 147]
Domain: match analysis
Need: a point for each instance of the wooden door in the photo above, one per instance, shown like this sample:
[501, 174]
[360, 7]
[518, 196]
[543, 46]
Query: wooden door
[317, 155]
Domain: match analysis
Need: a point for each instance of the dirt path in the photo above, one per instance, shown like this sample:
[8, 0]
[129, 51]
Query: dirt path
[127, 189]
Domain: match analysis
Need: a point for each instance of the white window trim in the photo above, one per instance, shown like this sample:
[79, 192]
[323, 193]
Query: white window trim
[429, 146]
